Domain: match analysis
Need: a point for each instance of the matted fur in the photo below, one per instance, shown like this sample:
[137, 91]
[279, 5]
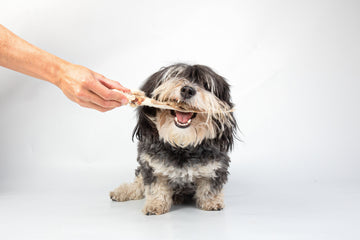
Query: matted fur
[176, 163]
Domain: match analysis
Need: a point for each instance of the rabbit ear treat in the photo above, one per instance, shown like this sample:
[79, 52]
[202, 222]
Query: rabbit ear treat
[137, 98]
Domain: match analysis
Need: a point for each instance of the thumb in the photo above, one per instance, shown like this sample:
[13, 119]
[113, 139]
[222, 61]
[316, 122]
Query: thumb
[111, 84]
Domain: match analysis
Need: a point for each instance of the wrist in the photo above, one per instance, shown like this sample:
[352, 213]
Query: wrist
[59, 72]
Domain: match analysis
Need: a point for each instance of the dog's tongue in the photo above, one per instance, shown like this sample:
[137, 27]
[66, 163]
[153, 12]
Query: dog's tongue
[183, 117]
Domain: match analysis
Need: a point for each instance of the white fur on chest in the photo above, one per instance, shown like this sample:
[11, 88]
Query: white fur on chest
[183, 174]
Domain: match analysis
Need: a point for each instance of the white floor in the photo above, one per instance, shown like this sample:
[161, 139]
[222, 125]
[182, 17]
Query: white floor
[253, 211]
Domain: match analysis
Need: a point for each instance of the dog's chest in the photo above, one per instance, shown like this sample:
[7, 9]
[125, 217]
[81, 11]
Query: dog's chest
[181, 174]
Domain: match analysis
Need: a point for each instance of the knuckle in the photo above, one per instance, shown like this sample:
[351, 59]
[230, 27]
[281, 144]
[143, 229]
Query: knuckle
[79, 92]
[85, 83]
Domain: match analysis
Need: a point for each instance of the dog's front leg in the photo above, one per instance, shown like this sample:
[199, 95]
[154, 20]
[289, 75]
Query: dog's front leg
[207, 196]
[158, 197]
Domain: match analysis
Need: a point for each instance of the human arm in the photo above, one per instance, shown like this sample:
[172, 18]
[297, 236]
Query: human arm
[78, 83]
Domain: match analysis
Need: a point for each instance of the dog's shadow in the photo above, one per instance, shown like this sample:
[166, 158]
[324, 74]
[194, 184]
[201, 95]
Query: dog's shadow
[186, 204]
[189, 204]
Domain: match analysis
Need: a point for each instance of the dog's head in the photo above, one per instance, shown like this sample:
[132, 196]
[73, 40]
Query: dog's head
[200, 88]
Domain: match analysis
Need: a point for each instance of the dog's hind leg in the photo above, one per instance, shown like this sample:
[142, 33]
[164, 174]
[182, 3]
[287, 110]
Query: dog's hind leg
[129, 191]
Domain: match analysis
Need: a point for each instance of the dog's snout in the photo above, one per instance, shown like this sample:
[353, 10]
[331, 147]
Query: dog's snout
[187, 92]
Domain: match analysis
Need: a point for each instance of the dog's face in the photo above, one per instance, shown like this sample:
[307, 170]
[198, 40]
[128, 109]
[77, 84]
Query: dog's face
[197, 87]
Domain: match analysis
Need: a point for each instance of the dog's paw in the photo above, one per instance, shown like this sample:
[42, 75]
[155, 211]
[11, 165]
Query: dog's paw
[123, 196]
[158, 209]
[117, 197]
[126, 192]
[211, 205]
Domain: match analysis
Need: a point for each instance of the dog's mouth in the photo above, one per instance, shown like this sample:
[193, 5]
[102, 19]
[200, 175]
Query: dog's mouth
[183, 119]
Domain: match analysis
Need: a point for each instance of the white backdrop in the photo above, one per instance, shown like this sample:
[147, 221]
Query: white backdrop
[294, 71]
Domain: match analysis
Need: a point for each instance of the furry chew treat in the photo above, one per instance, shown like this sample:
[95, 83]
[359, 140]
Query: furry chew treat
[137, 98]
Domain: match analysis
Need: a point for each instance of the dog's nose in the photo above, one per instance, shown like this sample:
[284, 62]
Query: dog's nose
[187, 92]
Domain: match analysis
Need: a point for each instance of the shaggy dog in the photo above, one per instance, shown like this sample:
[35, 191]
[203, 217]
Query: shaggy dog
[182, 155]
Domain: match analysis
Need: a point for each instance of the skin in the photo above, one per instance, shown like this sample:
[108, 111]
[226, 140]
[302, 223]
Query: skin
[80, 84]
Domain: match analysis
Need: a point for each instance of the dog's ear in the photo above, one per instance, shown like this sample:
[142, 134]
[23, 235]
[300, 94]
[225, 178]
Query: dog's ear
[227, 136]
[226, 139]
[151, 83]
[145, 127]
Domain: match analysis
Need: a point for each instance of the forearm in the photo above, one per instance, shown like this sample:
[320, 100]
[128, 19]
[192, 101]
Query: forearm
[78, 83]
[21, 56]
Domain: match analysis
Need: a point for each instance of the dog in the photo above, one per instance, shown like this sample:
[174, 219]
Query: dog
[182, 155]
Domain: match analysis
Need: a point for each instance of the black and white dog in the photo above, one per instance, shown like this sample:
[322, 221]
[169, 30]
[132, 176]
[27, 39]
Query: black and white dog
[182, 155]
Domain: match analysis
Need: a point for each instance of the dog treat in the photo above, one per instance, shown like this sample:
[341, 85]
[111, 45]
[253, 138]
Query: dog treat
[137, 98]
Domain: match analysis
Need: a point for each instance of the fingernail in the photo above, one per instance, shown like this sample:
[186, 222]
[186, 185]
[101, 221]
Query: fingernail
[124, 89]
[124, 101]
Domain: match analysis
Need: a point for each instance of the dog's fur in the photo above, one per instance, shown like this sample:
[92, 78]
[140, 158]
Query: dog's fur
[186, 158]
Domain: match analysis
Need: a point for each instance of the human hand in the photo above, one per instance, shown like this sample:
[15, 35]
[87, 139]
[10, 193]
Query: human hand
[90, 89]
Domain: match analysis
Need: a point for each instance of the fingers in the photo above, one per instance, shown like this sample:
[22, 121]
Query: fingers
[93, 106]
[106, 93]
[111, 84]
[90, 89]
[88, 96]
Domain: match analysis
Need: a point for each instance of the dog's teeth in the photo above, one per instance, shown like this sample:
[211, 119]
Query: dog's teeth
[182, 124]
